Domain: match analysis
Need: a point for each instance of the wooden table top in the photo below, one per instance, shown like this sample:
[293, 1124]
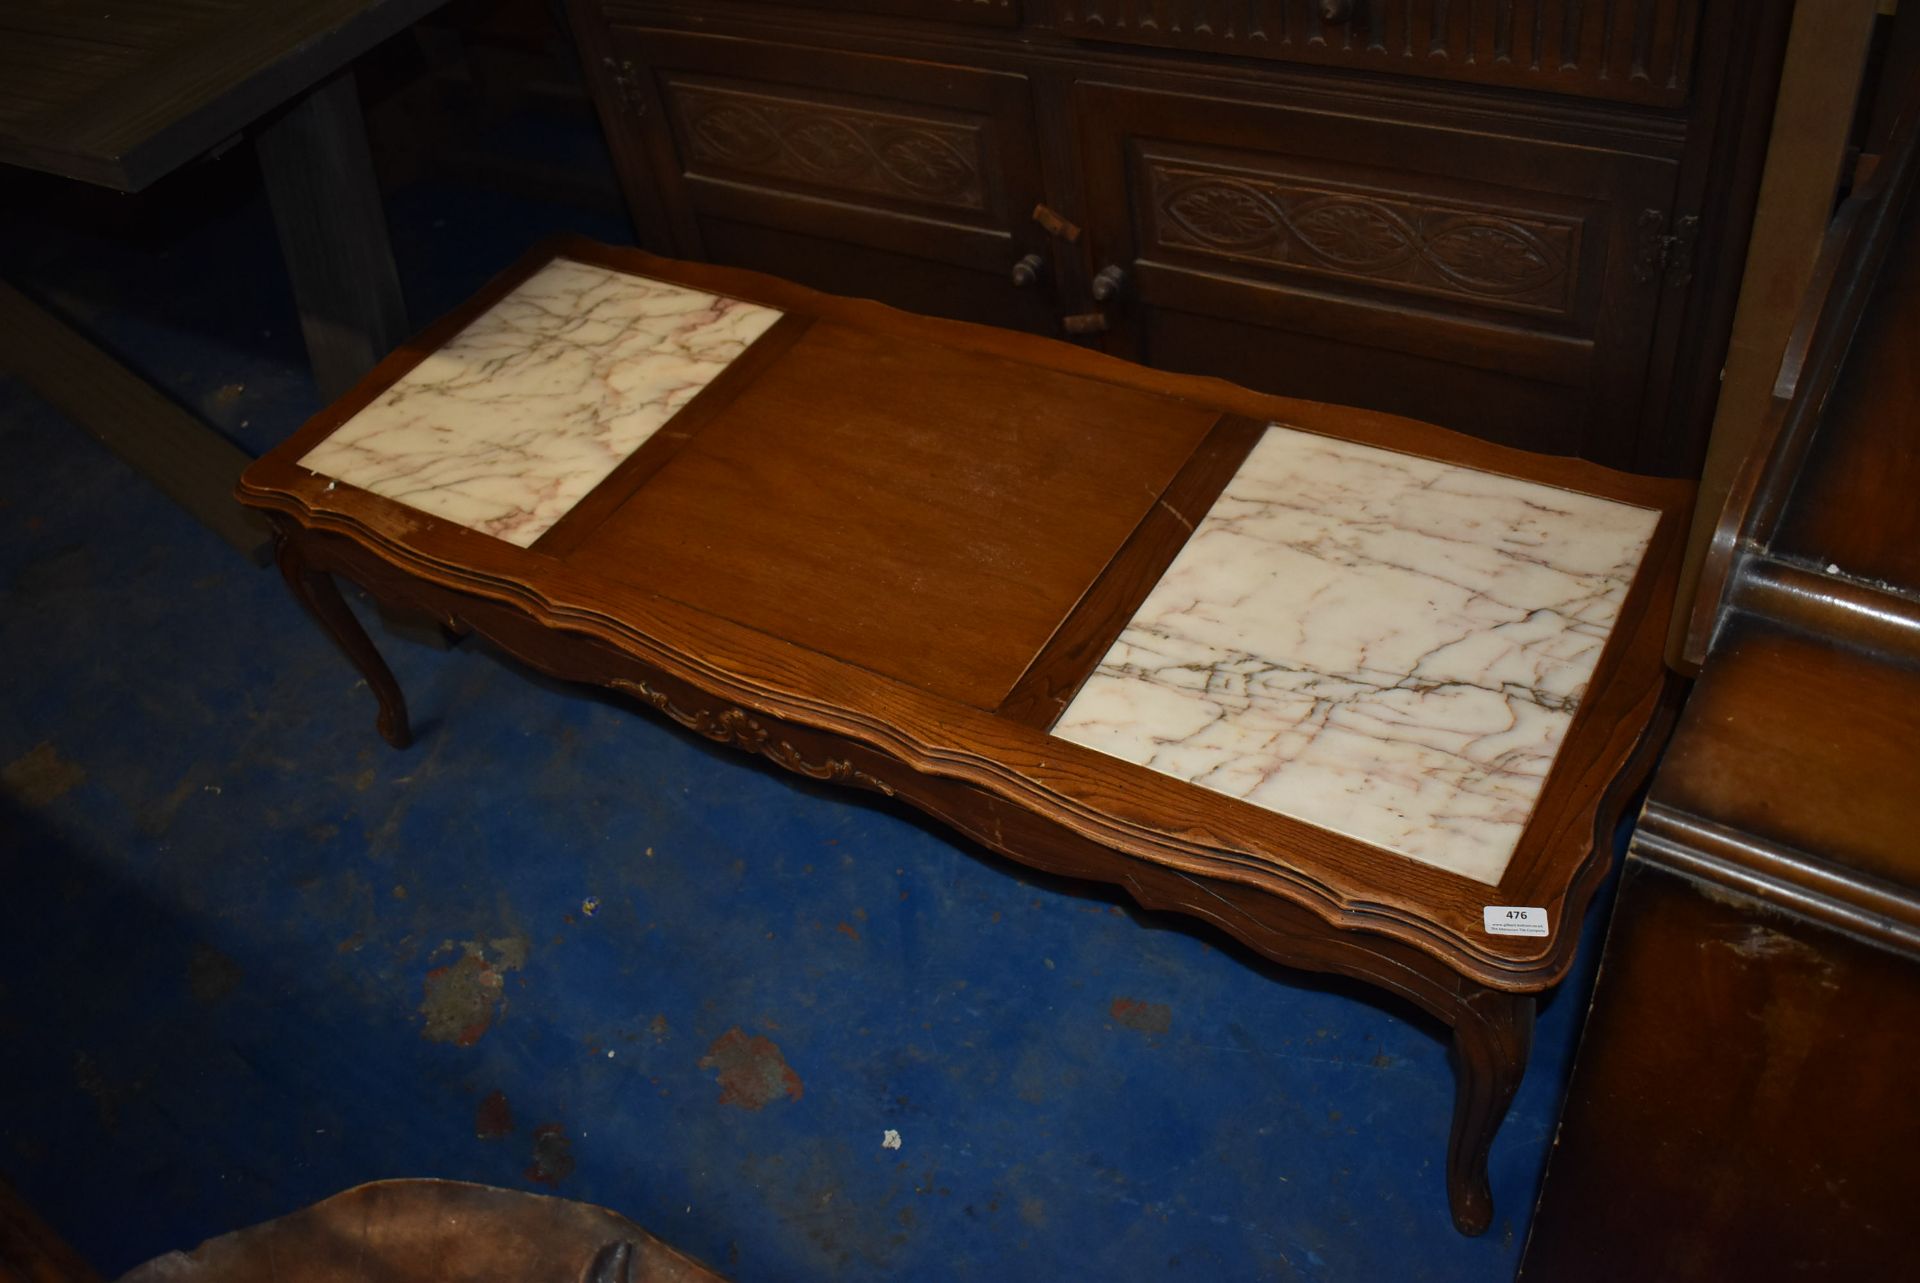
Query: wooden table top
[122, 92]
[1383, 670]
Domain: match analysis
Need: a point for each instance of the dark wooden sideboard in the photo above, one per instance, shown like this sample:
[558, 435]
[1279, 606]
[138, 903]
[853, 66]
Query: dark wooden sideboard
[1524, 220]
[1742, 1106]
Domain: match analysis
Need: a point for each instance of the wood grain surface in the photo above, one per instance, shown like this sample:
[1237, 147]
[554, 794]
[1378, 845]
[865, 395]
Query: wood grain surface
[1742, 1105]
[914, 510]
[924, 717]
[883, 555]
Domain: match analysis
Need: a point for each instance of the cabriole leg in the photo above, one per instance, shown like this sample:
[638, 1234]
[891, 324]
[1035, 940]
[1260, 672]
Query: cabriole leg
[1491, 1038]
[317, 592]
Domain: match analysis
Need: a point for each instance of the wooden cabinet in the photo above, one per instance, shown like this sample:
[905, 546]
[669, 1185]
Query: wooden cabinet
[1523, 221]
[1475, 280]
[866, 175]
[1742, 1105]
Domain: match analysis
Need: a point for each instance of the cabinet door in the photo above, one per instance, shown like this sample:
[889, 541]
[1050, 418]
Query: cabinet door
[910, 182]
[1501, 285]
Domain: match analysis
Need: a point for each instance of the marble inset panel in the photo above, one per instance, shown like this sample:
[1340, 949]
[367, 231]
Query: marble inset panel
[509, 425]
[1384, 646]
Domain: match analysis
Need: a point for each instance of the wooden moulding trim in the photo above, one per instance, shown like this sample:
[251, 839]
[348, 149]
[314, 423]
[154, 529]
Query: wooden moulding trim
[926, 763]
[1271, 928]
[1280, 929]
[1784, 876]
[1125, 807]
[1626, 788]
[1040, 774]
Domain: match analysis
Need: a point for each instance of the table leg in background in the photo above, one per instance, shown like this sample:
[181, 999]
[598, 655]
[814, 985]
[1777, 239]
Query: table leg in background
[333, 233]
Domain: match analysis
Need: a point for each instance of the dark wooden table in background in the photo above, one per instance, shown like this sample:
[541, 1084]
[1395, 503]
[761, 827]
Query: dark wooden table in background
[121, 95]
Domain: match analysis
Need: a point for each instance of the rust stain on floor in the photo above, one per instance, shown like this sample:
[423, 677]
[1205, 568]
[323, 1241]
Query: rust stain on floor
[1150, 1018]
[494, 1118]
[461, 999]
[552, 1155]
[41, 776]
[751, 1071]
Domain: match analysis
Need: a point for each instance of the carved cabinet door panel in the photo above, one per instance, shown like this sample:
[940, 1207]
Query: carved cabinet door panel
[911, 182]
[1499, 284]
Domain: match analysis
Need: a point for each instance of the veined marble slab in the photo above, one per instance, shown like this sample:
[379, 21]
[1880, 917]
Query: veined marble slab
[508, 426]
[1377, 644]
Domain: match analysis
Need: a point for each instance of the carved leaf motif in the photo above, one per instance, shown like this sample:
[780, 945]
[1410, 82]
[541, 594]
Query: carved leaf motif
[925, 162]
[850, 148]
[1482, 254]
[735, 134]
[1390, 239]
[1356, 234]
[827, 147]
[738, 727]
[1225, 214]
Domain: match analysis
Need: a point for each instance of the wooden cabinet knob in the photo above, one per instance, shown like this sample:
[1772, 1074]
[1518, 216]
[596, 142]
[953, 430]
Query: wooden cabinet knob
[1108, 282]
[1027, 271]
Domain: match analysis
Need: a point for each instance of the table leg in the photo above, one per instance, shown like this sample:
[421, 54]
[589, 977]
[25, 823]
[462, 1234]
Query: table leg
[333, 233]
[319, 594]
[1492, 1036]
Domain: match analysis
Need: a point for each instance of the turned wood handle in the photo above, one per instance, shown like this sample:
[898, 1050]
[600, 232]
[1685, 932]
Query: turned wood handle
[1085, 323]
[1108, 282]
[1055, 224]
[1336, 10]
[1027, 271]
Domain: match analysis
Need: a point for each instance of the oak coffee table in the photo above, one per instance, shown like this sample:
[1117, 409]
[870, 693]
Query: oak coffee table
[1363, 693]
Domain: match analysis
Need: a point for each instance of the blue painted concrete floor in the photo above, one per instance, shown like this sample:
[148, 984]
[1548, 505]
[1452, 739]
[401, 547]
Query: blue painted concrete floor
[251, 956]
